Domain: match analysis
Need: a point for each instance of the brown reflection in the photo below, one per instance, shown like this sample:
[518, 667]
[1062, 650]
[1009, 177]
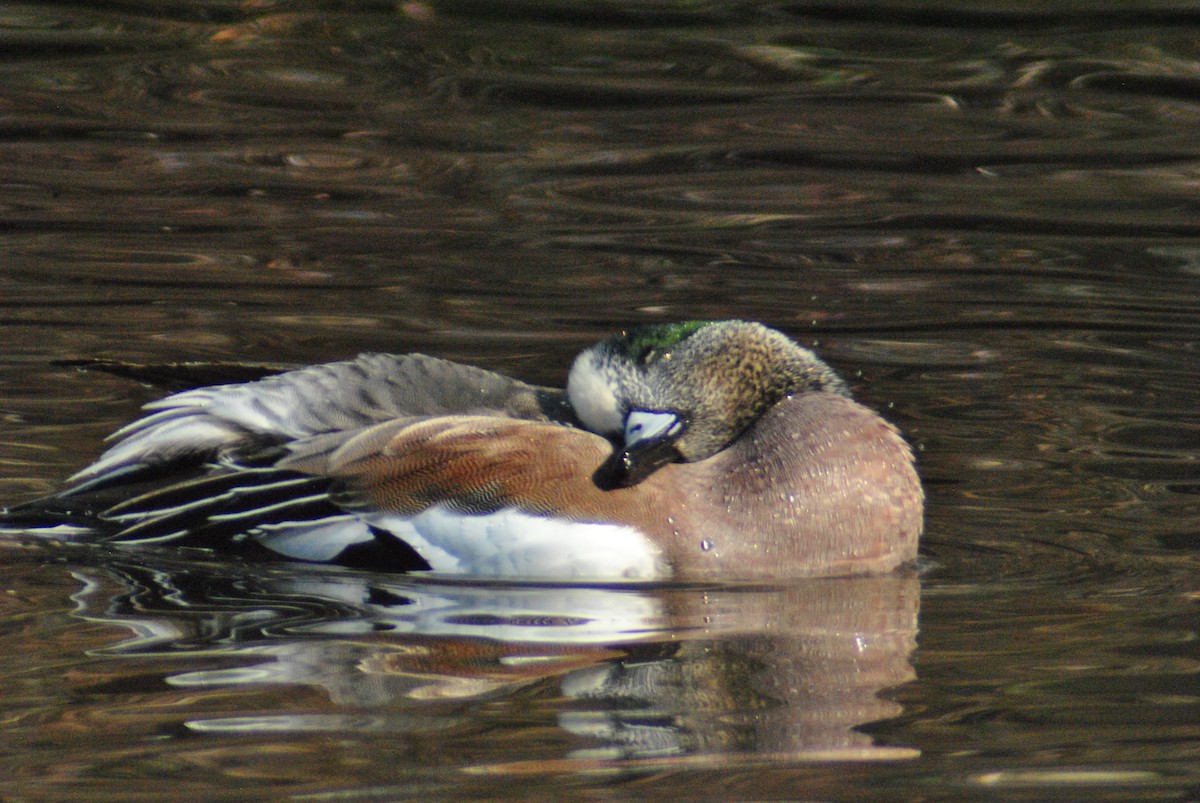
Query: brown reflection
[788, 672]
[625, 674]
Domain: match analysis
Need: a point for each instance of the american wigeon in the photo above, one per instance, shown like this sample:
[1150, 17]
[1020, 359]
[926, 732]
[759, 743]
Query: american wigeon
[694, 451]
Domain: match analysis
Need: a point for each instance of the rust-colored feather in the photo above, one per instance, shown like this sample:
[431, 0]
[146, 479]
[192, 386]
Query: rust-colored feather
[479, 464]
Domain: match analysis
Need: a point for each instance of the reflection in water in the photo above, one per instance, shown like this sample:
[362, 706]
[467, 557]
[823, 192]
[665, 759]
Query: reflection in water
[643, 672]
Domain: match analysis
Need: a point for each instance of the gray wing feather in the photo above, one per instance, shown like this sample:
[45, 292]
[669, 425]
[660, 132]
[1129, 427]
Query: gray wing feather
[333, 397]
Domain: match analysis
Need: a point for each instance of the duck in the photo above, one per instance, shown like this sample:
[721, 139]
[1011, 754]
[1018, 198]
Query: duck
[700, 451]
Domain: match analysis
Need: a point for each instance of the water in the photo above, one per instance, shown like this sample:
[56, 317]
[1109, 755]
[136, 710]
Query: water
[985, 218]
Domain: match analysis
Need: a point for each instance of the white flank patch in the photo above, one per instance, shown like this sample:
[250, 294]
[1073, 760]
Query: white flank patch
[319, 540]
[591, 395]
[518, 546]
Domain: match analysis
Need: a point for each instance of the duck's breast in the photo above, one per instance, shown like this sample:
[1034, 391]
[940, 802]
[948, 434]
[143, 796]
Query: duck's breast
[820, 486]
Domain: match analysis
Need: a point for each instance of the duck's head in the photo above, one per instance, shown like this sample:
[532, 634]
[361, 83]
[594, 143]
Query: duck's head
[683, 392]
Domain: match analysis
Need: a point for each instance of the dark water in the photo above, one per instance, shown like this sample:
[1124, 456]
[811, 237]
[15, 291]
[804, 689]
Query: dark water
[987, 216]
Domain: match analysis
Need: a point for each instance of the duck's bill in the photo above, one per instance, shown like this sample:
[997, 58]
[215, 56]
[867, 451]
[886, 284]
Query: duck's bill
[650, 439]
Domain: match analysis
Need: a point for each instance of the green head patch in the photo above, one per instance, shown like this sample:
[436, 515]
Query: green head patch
[645, 344]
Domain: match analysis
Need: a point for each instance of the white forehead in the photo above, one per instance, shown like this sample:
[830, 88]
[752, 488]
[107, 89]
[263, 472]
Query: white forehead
[592, 392]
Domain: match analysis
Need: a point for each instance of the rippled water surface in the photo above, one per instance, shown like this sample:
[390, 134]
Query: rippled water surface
[987, 216]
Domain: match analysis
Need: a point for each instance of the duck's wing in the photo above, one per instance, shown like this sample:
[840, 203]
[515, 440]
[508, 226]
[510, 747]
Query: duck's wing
[492, 496]
[482, 495]
[200, 469]
[312, 497]
[470, 463]
[201, 424]
[256, 510]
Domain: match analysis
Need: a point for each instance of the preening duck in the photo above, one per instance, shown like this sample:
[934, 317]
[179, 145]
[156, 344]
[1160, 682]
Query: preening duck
[696, 451]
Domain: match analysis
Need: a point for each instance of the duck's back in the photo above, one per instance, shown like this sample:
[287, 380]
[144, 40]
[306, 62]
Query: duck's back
[200, 468]
[321, 399]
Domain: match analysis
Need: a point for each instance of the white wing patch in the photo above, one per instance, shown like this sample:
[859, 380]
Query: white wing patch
[514, 545]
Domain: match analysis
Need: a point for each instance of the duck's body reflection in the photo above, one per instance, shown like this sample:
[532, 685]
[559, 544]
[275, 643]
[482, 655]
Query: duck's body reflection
[644, 673]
